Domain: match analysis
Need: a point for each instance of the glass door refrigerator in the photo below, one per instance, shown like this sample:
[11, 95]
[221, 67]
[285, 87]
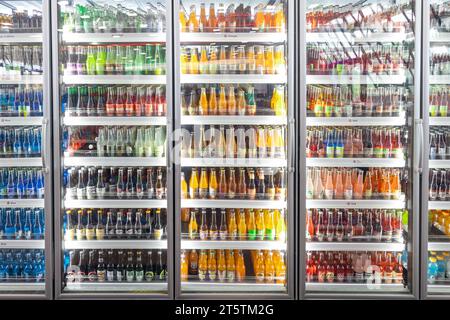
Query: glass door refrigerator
[436, 150]
[234, 139]
[112, 111]
[25, 179]
[358, 226]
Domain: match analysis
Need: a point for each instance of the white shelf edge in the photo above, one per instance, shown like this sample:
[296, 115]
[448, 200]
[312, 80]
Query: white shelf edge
[21, 121]
[439, 36]
[115, 286]
[114, 79]
[439, 79]
[439, 121]
[355, 246]
[114, 161]
[17, 79]
[22, 203]
[217, 162]
[357, 121]
[236, 120]
[21, 162]
[22, 244]
[21, 37]
[444, 164]
[438, 246]
[223, 287]
[244, 204]
[362, 204]
[115, 244]
[347, 37]
[354, 287]
[445, 205]
[225, 37]
[145, 37]
[232, 78]
[355, 162]
[121, 204]
[438, 289]
[114, 121]
[350, 79]
[22, 286]
[244, 245]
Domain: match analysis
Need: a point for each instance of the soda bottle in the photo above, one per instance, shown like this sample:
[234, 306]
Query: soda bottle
[100, 63]
[213, 62]
[223, 61]
[221, 266]
[192, 23]
[194, 63]
[231, 267]
[203, 64]
[232, 226]
[203, 105]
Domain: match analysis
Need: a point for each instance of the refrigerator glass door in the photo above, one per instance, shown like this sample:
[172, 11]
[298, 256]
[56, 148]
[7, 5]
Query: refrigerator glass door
[25, 197]
[359, 101]
[437, 221]
[234, 211]
[113, 178]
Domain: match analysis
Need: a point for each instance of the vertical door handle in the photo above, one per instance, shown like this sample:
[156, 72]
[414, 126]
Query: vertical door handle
[291, 144]
[44, 146]
[419, 131]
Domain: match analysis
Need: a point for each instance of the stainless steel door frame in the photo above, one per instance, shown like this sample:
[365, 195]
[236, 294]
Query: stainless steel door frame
[291, 272]
[414, 202]
[57, 167]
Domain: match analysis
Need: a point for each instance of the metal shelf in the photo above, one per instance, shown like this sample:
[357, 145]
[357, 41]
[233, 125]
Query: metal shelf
[356, 204]
[438, 246]
[21, 162]
[224, 287]
[438, 289]
[350, 79]
[235, 120]
[130, 287]
[115, 244]
[243, 245]
[69, 37]
[111, 203]
[357, 121]
[232, 78]
[444, 205]
[115, 161]
[22, 244]
[114, 79]
[22, 286]
[114, 121]
[355, 287]
[355, 162]
[22, 203]
[223, 37]
[21, 38]
[441, 79]
[244, 204]
[347, 37]
[218, 162]
[21, 121]
[17, 79]
[444, 164]
[439, 121]
[355, 246]
[439, 37]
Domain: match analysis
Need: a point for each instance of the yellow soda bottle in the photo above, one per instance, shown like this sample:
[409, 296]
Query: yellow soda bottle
[269, 268]
[242, 228]
[281, 227]
[231, 267]
[223, 109]
[212, 265]
[204, 64]
[259, 267]
[193, 185]
[184, 61]
[213, 186]
[232, 226]
[260, 226]
[193, 226]
[221, 266]
[193, 63]
[184, 188]
[202, 265]
[203, 105]
[240, 267]
[184, 266]
[212, 101]
[203, 188]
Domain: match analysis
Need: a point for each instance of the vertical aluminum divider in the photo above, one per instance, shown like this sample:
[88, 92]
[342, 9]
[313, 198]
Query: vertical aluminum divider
[417, 160]
[425, 150]
[47, 149]
[291, 84]
[301, 163]
[169, 131]
[58, 263]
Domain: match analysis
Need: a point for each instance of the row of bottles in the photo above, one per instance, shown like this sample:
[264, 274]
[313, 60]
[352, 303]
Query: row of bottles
[355, 267]
[355, 101]
[115, 101]
[354, 225]
[237, 59]
[20, 142]
[115, 225]
[21, 101]
[115, 266]
[21, 21]
[22, 265]
[230, 266]
[232, 101]
[208, 186]
[20, 60]
[235, 18]
[440, 63]
[357, 184]
[367, 59]
[439, 188]
[110, 183]
[439, 101]
[149, 59]
[237, 224]
[20, 183]
[117, 141]
[22, 224]
[439, 143]
[325, 142]
[438, 271]
[241, 142]
[439, 223]
[108, 18]
[438, 14]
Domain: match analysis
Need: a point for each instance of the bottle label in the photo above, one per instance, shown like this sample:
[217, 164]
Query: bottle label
[157, 234]
[203, 235]
[233, 235]
[92, 276]
[230, 276]
[140, 275]
[270, 233]
[149, 275]
[101, 275]
[433, 110]
[203, 193]
[120, 275]
[378, 152]
[259, 276]
[251, 234]
[110, 275]
[202, 274]
[339, 152]
[213, 235]
[91, 193]
[81, 234]
[212, 193]
[212, 274]
[260, 233]
[223, 235]
[130, 275]
[329, 194]
[222, 274]
[90, 234]
[348, 194]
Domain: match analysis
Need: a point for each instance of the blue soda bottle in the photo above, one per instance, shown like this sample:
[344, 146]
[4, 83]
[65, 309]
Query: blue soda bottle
[28, 268]
[18, 264]
[39, 269]
[29, 189]
[2, 266]
[26, 143]
[26, 103]
[9, 227]
[27, 227]
[11, 103]
[17, 226]
[3, 191]
[9, 266]
[17, 146]
[2, 224]
[11, 186]
[36, 107]
[40, 185]
[2, 142]
[20, 186]
[36, 144]
[37, 228]
[42, 217]
[17, 103]
[330, 145]
[432, 269]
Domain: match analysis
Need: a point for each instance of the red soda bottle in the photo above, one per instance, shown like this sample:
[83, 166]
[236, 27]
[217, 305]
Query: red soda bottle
[148, 110]
[129, 104]
[110, 103]
[120, 103]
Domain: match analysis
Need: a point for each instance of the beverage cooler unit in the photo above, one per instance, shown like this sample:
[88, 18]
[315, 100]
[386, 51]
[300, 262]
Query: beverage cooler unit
[113, 180]
[360, 96]
[435, 200]
[25, 179]
[234, 159]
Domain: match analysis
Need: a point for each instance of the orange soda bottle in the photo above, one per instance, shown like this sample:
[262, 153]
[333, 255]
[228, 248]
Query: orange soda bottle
[221, 266]
[269, 268]
[231, 102]
[212, 101]
[242, 227]
[193, 24]
[194, 64]
[193, 185]
[204, 64]
[184, 266]
[213, 186]
[260, 60]
[184, 188]
[203, 104]
[193, 226]
[202, 265]
[203, 23]
[184, 61]
[203, 187]
[231, 267]
[269, 63]
[232, 226]
[240, 267]
[259, 267]
[223, 109]
[212, 265]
